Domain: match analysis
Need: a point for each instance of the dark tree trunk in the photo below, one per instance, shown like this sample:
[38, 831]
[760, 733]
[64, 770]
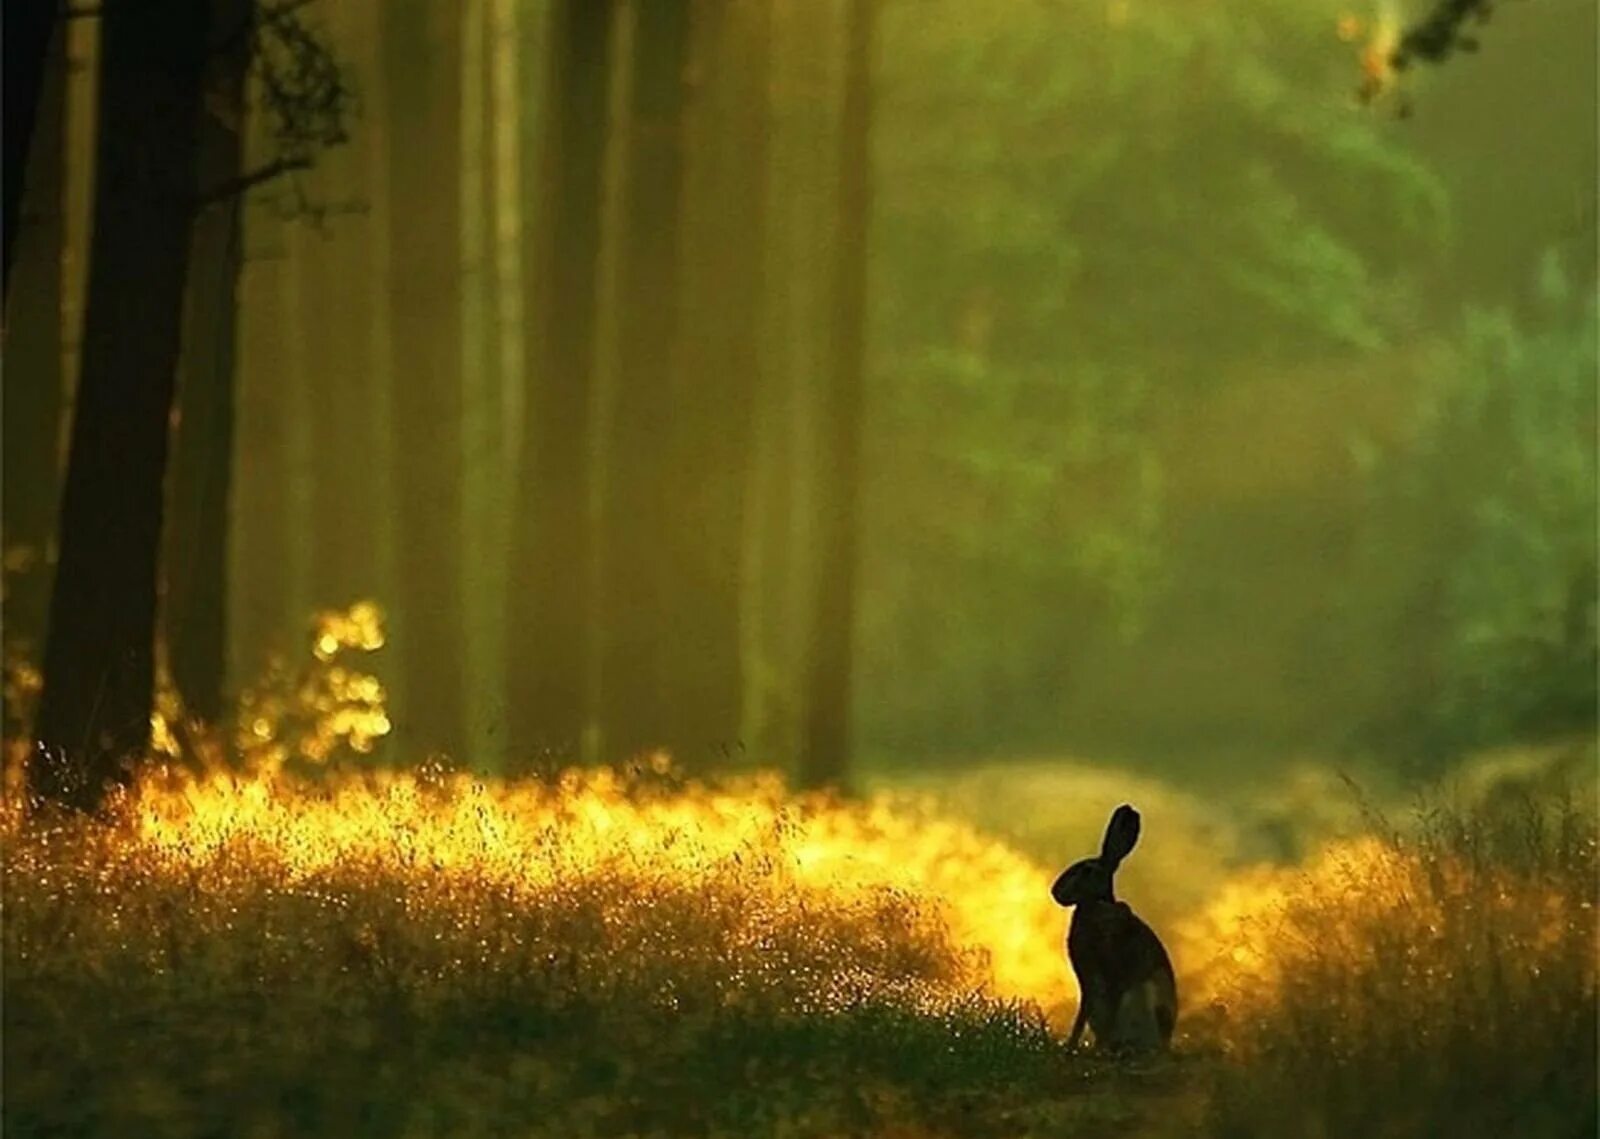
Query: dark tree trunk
[552, 544]
[422, 48]
[713, 413]
[196, 599]
[94, 715]
[825, 743]
[31, 480]
[30, 26]
[637, 506]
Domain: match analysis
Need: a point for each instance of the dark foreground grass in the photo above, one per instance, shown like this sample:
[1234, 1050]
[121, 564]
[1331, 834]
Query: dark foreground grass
[168, 1060]
[406, 957]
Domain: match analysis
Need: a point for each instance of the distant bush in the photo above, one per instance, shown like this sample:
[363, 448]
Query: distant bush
[1490, 506]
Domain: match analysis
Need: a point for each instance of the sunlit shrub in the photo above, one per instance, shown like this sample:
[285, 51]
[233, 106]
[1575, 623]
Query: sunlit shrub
[1438, 981]
[323, 708]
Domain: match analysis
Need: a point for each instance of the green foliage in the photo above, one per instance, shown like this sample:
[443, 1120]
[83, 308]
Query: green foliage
[1138, 180]
[1499, 479]
[1082, 210]
[991, 524]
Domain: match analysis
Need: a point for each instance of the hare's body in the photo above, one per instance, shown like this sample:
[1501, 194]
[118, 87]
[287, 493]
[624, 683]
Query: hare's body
[1128, 994]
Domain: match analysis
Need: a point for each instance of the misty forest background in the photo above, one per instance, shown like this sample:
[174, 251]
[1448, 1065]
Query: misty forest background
[818, 384]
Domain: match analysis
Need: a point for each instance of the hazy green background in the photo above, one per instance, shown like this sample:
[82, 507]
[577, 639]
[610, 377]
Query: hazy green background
[1214, 418]
[1211, 417]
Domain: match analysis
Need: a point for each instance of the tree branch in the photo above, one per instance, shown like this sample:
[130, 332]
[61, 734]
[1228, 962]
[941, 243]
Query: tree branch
[233, 187]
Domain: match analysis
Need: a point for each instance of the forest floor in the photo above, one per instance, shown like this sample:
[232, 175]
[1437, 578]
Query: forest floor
[631, 953]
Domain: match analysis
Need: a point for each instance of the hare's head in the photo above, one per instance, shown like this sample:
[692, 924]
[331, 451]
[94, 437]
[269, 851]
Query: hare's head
[1090, 879]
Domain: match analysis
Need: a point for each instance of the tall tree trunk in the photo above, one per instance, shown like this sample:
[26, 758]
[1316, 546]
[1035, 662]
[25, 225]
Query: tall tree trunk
[552, 545]
[373, 141]
[31, 479]
[479, 363]
[713, 412]
[422, 48]
[263, 530]
[342, 552]
[637, 507]
[511, 120]
[99, 657]
[259, 602]
[825, 744]
[196, 599]
[336, 295]
[30, 27]
[803, 200]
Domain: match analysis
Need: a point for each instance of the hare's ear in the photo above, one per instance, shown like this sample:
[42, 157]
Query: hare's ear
[1121, 833]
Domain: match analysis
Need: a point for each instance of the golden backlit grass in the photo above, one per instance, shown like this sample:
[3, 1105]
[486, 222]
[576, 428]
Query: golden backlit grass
[265, 935]
[283, 948]
[629, 952]
[607, 950]
[1435, 979]
[932, 902]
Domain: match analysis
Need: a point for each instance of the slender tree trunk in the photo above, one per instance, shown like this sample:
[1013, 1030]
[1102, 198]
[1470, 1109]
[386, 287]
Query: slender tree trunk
[30, 27]
[769, 672]
[196, 599]
[804, 202]
[336, 295]
[329, 296]
[825, 744]
[479, 364]
[258, 603]
[511, 120]
[714, 410]
[552, 544]
[637, 508]
[99, 664]
[367, 262]
[31, 480]
[770, 678]
[422, 42]
[263, 530]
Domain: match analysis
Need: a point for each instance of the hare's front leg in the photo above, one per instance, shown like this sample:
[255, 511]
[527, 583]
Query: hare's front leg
[1077, 1025]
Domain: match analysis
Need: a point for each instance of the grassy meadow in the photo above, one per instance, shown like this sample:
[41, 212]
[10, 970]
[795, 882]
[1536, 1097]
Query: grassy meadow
[294, 943]
[629, 953]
